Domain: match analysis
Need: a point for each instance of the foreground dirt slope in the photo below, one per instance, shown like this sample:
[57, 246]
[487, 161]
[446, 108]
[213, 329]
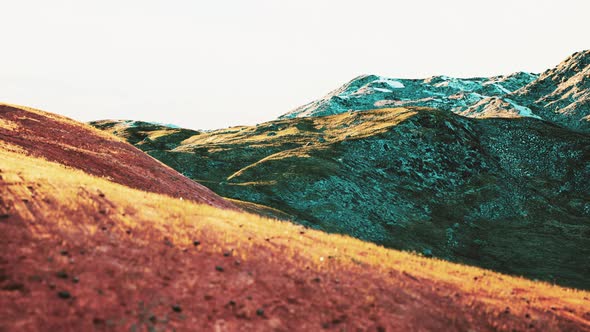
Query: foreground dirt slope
[77, 145]
[80, 253]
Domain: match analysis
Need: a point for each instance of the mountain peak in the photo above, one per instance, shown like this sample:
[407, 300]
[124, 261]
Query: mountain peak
[453, 94]
[560, 95]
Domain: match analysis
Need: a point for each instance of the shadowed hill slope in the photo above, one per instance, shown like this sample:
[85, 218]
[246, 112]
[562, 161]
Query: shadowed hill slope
[507, 194]
[80, 253]
[78, 145]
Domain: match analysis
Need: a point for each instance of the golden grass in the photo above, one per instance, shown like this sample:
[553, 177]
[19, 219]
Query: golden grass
[69, 192]
[259, 209]
[9, 125]
[331, 128]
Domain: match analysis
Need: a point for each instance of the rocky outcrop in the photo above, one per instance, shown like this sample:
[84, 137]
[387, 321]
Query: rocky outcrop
[562, 94]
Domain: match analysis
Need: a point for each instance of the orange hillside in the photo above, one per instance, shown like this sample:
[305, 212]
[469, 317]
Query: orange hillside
[81, 146]
[82, 253]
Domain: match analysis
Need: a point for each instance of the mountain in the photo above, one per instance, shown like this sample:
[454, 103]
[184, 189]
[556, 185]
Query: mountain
[508, 194]
[441, 92]
[81, 146]
[83, 252]
[560, 95]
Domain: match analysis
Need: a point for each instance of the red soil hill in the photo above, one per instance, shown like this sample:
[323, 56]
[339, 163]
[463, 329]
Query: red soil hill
[81, 146]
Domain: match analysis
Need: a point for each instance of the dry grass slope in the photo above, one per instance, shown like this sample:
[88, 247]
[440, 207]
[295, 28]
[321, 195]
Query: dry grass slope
[82, 253]
[81, 146]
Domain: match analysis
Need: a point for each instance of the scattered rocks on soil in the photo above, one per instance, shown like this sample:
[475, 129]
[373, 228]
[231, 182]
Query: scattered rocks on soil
[64, 295]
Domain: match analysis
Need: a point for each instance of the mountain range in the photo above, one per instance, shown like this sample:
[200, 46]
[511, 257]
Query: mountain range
[493, 186]
[87, 245]
[133, 225]
[560, 95]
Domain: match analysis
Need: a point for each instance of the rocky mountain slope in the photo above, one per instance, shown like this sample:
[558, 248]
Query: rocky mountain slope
[81, 146]
[560, 95]
[442, 92]
[80, 252]
[506, 194]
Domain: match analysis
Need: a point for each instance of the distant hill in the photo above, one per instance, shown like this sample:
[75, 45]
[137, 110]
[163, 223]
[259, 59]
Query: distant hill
[81, 146]
[560, 95]
[506, 194]
[82, 252]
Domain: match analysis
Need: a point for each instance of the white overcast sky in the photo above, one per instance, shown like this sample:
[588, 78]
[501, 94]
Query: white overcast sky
[212, 64]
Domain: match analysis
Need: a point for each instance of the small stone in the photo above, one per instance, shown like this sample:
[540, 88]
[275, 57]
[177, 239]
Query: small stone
[75, 280]
[35, 278]
[196, 243]
[260, 312]
[62, 275]
[219, 268]
[427, 253]
[63, 252]
[227, 254]
[14, 286]
[98, 321]
[176, 308]
[64, 295]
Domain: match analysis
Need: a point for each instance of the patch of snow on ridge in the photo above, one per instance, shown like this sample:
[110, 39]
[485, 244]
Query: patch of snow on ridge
[499, 86]
[458, 84]
[392, 83]
[522, 110]
[382, 90]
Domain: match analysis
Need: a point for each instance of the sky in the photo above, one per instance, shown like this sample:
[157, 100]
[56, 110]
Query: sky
[213, 64]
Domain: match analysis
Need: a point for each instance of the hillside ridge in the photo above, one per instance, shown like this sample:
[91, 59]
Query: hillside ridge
[502, 193]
